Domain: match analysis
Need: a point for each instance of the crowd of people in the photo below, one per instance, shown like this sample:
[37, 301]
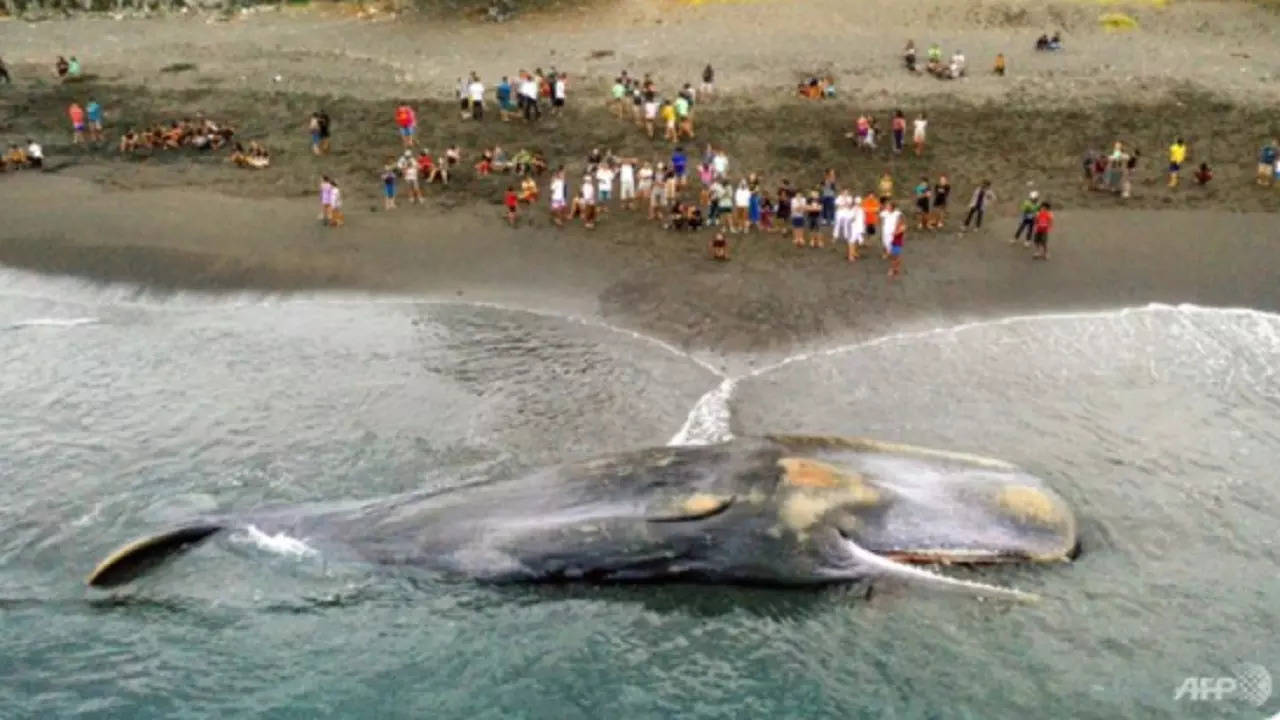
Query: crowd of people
[638, 100]
[201, 134]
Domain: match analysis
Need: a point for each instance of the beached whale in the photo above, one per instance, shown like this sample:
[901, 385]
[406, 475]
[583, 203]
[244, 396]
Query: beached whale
[784, 510]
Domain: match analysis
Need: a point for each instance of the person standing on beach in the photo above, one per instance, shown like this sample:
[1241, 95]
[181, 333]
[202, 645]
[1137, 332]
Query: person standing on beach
[336, 218]
[389, 186]
[894, 235]
[679, 165]
[93, 113]
[1044, 223]
[409, 169]
[918, 131]
[322, 119]
[1267, 163]
[871, 212]
[1130, 167]
[843, 225]
[407, 123]
[558, 197]
[512, 203]
[475, 94]
[76, 114]
[708, 81]
[559, 93]
[313, 129]
[503, 96]
[899, 127]
[798, 209]
[4, 73]
[627, 182]
[828, 195]
[326, 200]
[588, 202]
[740, 219]
[924, 194]
[941, 191]
[529, 97]
[1029, 208]
[1177, 156]
[982, 197]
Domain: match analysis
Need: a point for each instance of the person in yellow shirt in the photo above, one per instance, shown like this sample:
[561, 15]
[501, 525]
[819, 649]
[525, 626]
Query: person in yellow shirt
[668, 114]
[1177, 156]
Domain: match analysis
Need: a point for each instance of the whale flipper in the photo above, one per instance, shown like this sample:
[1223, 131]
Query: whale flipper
[138, 557]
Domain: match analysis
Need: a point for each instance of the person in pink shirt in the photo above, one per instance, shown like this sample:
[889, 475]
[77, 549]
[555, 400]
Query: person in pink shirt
[76, 114]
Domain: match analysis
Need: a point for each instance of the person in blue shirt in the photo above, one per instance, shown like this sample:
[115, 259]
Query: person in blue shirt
[1267, 163]
[505, 106]
[678, 165]
[93, 111]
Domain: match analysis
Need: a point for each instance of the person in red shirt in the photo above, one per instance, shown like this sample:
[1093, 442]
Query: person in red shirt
[512, 202]
[1043, 224]
[407, 123]
[76, 114]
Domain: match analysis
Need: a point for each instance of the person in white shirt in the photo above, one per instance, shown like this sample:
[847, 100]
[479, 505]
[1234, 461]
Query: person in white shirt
[558, 92]
[741, 202]
[529, 98]
[857, 229]
[720, 164]
[475, 92]
[410, 172]
[557, 197]
[645, 183]
[604, 179]
[957, 63]
[917, 134]
[35, 154]
[588, 202]
[843, 220]
[650, 116]
[627, 182]
[890, 219]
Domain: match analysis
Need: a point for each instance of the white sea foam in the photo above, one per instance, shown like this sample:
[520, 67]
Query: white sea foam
[54, 322]
[710, 418]
[708, 421]
[280, 543]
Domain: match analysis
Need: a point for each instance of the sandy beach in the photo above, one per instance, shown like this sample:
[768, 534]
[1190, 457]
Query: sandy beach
[175, 220]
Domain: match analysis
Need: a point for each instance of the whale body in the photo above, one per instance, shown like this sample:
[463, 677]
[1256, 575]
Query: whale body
[777, 510]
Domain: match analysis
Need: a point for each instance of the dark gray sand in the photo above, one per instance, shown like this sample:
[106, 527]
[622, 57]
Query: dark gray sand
[770, 296]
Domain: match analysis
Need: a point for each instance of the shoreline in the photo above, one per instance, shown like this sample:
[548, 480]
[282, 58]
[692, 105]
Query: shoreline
[769, 298]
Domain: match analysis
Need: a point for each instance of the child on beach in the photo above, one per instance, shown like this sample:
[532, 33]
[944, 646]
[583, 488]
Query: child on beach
[511, 202]
[899, 130]
[558, 197]
[410, 172]
[719, 247]
[918, 132]
[893, 234]
[336, 218]
[1203, 174]
[813, 220]
[389, 186]
[798, 209]
[871, 211]
[1029, 209]
[93, 113]
[924, 194]
[1177, 156]
[1044, 223]
[326, 199]
[1267, 159]
[77, 123]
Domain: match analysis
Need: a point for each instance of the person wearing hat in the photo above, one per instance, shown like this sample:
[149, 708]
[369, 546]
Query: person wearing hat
[1029, 208]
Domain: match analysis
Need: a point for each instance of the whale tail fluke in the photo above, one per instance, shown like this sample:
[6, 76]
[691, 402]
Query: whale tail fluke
[142, 555]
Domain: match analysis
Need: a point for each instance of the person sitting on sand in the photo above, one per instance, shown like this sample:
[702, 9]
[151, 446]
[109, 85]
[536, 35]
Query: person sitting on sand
[239, 157]
[34, 154]
[498, 160]
[528, 190]
[719, 247]
[1055, 42]
[693, 217]
[539, 163]
[15, 158]
[60, 67]
[1203, 174]
[73, 69]
[909, 56]
[522, 163]
[200, 140]
[129, 141]
[675, 219]
[485, 166]
[958, 64]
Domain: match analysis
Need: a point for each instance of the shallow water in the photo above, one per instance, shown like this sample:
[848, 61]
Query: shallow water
[1160, 425]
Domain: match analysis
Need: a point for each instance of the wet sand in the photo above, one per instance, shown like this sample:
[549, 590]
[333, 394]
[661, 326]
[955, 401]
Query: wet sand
[769, 297]
[182, 220]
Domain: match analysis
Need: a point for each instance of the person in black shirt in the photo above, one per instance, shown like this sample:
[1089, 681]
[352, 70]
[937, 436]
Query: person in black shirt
[322, 119]
[708, 80]
[940, 192]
